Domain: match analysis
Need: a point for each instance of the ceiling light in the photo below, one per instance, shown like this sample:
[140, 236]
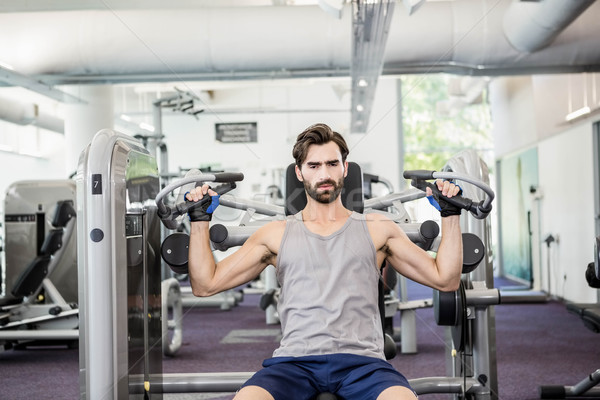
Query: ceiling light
[7, 66]
[412, 5]
[332, 7]
[578, 113]
[125, 117]
[371, 20]
[146, 126]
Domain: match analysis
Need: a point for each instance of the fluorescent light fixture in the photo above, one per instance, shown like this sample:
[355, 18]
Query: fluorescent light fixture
[363, 83]
[125, 117]
[332, 7]
[412, 5]
[146, 126]
[7, 66]
[578, 113]
[31, 153]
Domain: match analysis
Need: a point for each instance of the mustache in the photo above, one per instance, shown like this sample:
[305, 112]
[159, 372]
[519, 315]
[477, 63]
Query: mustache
[327, 182]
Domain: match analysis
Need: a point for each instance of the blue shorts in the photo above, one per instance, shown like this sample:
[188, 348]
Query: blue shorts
[349, 376]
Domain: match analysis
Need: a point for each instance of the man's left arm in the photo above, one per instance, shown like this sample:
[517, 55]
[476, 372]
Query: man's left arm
[442, 272]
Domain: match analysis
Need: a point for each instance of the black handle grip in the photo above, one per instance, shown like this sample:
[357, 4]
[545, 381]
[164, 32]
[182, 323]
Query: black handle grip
[228, 176]
[478, 210]
[418, 174]
[458, 201]
[183, 208]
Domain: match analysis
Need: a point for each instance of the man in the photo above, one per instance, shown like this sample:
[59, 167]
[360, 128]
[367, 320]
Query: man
[327, 260]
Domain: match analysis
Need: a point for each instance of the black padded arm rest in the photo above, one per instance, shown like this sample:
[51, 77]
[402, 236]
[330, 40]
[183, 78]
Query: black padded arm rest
[64, 212]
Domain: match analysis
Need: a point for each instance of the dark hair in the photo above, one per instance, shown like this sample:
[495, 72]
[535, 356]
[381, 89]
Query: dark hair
[317, 134]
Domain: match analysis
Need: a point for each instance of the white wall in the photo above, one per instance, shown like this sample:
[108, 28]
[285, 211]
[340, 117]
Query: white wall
[567, 209]
[191, 142]
[281, 110]
[44, 161]
[530, 111]
[509, 98]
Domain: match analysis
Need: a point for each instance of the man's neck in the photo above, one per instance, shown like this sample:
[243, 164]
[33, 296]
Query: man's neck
[321, 213]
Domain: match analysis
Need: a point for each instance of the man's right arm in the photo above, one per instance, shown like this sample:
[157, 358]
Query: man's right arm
[245, 264]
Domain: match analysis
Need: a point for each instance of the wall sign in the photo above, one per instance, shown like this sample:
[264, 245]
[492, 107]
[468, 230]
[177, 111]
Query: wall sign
[240, 132]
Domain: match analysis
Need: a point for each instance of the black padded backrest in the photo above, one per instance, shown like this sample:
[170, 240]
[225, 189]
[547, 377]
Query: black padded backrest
[52, 243]
[64, 212]
[352, 193]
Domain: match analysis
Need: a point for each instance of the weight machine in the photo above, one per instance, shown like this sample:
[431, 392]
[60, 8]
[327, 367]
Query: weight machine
[39, 305]
[119, 209]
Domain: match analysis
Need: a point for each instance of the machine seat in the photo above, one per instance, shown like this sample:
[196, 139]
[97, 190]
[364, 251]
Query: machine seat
[31, 279]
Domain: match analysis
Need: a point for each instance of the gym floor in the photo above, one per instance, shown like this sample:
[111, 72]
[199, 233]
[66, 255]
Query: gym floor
[536, 344]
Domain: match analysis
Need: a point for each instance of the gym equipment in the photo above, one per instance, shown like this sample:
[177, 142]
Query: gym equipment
[121, 294]
[476, 333]
[479, 210]
[590, 314]
[40, 305]
[175, 245]
[120, 275]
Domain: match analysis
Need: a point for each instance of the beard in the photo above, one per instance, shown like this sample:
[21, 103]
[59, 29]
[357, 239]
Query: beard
[325, 196]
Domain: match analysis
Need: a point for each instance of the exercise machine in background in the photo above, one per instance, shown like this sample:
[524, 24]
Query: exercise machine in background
[39, 305]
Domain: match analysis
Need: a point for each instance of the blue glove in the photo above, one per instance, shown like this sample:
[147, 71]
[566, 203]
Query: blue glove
[434, 203]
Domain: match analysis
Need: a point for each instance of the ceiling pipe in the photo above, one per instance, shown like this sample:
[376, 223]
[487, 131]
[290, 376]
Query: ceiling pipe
[29, 114]
[118, 46]
[532, 25]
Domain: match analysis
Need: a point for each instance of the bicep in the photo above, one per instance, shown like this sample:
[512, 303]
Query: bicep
[409, 259]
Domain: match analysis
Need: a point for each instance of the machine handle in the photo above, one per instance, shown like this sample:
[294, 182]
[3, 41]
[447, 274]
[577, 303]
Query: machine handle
[479, 210]
[168, 215]
[183, 207]
[228, 177]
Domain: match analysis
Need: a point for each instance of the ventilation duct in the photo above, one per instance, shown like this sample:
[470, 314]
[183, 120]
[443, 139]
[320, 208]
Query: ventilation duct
[28, 114]
[116, 46]
[532, 25]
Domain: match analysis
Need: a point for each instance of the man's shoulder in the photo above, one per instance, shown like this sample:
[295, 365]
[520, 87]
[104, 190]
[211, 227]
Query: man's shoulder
[375, 216]
[272, 228]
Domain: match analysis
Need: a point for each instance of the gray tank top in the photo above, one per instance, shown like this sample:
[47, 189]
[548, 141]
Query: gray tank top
[329, 298]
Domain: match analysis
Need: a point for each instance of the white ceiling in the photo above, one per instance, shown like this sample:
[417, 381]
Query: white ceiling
[227, 42]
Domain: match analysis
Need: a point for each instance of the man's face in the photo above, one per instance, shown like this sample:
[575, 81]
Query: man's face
[323, 172]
